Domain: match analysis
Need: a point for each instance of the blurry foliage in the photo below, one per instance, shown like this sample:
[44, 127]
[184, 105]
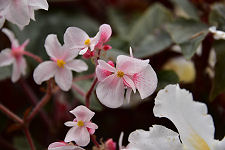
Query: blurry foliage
[166, 77]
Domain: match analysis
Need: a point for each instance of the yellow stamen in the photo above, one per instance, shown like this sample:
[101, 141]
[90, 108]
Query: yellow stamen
[198, 142]
[80, 123]
[120, 74]
[87, 42]
[61, 63]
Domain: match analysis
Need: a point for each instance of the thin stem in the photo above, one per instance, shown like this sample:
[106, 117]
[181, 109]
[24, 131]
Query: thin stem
[42, 103]
[88, 95]
[85, 77]
[29, 139]
[35, 57]
[76, 88]
[93, 139]
[10, 114]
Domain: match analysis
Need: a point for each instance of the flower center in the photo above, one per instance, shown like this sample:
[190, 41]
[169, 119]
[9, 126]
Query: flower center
[120, 74]
[61, 63]
[87, 42]
[80, 123]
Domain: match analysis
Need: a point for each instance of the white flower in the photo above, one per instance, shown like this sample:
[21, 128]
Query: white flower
[217, 34]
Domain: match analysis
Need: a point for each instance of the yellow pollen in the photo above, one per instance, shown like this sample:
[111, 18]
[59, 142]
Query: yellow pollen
[61, 63]
[80, 123]
[120, 74]
[87, 42]
[198, 142]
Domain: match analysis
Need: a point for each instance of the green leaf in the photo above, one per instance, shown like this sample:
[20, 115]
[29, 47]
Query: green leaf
[5, 72]
[188, 34]
[187, 6]
[218, 82]
[154, 17]
[85, 86]
[217, 16]
[166, 77]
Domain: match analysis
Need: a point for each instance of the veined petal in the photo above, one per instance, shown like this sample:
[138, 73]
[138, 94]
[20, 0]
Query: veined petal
[11, 36]
[75, 37]
[79, 135]
[158, 138]
[146, 81]
[129, 83]
[39, 4]
[70, 124]
[106, 66]
[6, 57]
[82, 113]
[53, 47]
[63, 146]
[130, 65]
[110, 91]
[64, 77]
[77, 65]
[44, 71]
[194, 125]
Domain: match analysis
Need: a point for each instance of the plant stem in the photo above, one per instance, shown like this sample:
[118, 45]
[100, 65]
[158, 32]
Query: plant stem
[88, 95]
[76, 88]
[10, 114]
[35, 57]
[29, 139]
[93, 139]
[42, 103]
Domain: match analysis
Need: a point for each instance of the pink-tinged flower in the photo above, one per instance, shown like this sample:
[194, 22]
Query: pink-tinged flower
[76, 38]
[20, 12]
[130, 74]
[105, 33]
[63, 146]
[61, 65]
[82, 127]
[110, 145]
[14, 56]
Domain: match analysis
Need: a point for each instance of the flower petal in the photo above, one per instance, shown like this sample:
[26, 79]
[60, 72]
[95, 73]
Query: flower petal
[2, 21]
[75, 37]
[83, 51]
[64, 77]
[194, 125]
[106, 66]
[77, 65]
[16, 71]
[220, 145]
[91, 125]
[129, 83]
[63, 146]
[106, 33]
[70, 123]
[158, 138]
[94, 41]
[44, 71]
[130, 65]
[82, 113]
[110, 91]
[146, 81]
[79, 135]
[39, 4]
[128, 93]
[11, 36]
[53, 47]
[68, 53]
[6, 57]
[23, 66]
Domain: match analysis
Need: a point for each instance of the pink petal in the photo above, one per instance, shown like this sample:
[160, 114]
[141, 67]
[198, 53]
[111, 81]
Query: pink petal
[128, 93]
[68, 53]
[77, 65]
[106, 66]
[102, 73]
[6, 57]
[82, 113]
[18, 13]
[128, 82]
[23, 66]
[91, 125]
[110, 91]
[11, 36]
[64, 77]
[146, 81]
[75, 37]
[44, 71]
[4, 4]
[83, 51]
[70, 123]
[130, 65]
[16, 71]
[94, 41]
[53, 47]
[63, 146]
[39, 4]
[79, 135]
[106, 32]
[2, 21]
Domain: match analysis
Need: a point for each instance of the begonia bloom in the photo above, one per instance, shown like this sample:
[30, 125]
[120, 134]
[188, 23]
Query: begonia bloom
[63, 146]
[61, 65]
[217, 34]
[130, 74]
[105, 33]
[20, 12]
[82, 126]
[14, 56]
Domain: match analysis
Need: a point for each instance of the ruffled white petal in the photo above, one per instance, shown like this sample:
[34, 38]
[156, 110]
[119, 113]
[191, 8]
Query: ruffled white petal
[39, 4]
[77, 65]
[110, 91]
[44, 71]
[64, 77]
[53, 47]
[11, 36]
[82, 113]
[194, 125]
[130, 65]
[6, 58]
[220, 145]
[146, 81]
[158, 138]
